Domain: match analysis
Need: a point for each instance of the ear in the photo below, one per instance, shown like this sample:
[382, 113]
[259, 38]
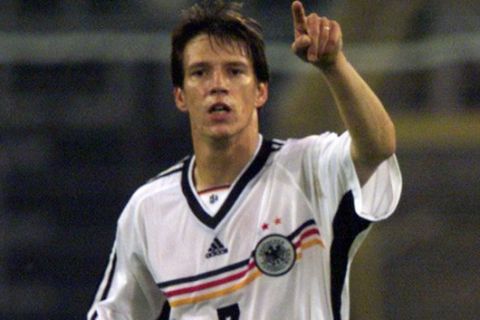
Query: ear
[179, 99]
[262, 94]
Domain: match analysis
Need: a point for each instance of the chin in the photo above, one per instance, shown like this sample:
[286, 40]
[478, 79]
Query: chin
[220, 135]
[221, 132]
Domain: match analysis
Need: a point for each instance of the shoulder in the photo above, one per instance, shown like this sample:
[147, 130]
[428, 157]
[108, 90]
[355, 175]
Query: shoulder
[296, 148]
[170, 173]
[167, 179]
[166, 184]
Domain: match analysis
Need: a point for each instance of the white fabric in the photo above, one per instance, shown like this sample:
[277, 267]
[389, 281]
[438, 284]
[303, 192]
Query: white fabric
[213, 200]
[161, 244]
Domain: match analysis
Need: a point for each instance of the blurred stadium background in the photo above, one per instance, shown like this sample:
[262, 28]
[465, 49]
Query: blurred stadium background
[86, 116]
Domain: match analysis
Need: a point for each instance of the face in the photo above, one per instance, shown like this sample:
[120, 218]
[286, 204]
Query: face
[220, 91]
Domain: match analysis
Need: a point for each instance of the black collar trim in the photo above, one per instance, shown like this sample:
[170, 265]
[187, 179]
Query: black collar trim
[212, 222]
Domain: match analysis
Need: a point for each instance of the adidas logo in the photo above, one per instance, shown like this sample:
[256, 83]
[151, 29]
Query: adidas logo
[216, 249]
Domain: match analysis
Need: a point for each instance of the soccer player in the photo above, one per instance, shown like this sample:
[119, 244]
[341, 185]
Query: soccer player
[250, 228]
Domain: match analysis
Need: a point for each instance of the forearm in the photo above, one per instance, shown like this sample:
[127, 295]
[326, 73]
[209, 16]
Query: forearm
[370, 126]
[318, 41]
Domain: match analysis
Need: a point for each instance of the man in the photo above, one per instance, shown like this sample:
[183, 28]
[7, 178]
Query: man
[248, 228]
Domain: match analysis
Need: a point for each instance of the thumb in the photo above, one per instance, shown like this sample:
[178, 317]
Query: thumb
[300, 45]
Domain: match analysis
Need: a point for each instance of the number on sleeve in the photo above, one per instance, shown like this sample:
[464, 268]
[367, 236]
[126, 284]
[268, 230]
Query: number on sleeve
[231, 312]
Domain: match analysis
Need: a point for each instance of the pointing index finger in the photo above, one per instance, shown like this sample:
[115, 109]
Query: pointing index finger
[299, 19]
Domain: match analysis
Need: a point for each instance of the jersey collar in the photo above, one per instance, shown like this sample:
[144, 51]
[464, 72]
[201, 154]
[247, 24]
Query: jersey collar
[238, 186]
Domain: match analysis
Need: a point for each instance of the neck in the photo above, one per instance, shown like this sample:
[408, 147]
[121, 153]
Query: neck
[220, 162]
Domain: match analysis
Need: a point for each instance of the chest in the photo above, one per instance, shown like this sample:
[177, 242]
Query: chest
[181, 246]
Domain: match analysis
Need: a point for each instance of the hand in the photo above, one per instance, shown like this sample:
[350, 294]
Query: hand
[318, 40]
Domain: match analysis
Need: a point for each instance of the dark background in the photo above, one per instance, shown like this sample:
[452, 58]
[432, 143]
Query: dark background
[86, 116]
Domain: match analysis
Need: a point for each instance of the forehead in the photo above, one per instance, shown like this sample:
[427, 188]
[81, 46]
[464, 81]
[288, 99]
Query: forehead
[207, 48]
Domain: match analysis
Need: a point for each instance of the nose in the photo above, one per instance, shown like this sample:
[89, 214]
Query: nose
[219, 83]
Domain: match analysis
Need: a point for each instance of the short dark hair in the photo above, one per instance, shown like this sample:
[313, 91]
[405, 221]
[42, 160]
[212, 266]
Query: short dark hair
[224, 23]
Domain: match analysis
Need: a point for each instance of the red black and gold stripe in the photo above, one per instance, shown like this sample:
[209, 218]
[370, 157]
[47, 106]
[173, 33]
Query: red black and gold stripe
[232, 278]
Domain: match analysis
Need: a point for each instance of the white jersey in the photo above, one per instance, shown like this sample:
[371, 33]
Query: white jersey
[279, 246]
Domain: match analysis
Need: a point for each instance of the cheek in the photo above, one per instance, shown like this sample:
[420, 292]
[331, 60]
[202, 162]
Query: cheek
[253, 96]
[249, 92]
[192, 94]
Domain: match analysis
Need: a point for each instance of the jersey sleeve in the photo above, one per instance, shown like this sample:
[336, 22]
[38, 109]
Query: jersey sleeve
[127, 290]
[335, 172]
[379, 196]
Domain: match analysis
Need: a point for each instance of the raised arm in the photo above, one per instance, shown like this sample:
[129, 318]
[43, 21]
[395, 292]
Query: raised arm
[318, 40]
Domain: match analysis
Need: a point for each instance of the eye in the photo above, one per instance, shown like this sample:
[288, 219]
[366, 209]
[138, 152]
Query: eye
[236, 71]
[197, 73]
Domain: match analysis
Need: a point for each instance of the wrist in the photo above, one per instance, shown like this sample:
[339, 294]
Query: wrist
[333, 65]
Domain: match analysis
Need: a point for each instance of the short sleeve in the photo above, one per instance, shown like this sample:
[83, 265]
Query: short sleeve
[328, 163]
[379, 196]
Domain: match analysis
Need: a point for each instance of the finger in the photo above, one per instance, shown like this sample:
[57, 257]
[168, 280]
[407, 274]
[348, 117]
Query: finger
[324, 35]
[313, 29]
[335, 40]
[299, 19]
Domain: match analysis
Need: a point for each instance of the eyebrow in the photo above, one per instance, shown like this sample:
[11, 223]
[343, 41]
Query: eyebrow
[203, 64]
[237, 64]
[197, 65]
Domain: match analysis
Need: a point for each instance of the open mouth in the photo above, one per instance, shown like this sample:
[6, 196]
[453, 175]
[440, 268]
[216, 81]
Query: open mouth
[218, 108]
